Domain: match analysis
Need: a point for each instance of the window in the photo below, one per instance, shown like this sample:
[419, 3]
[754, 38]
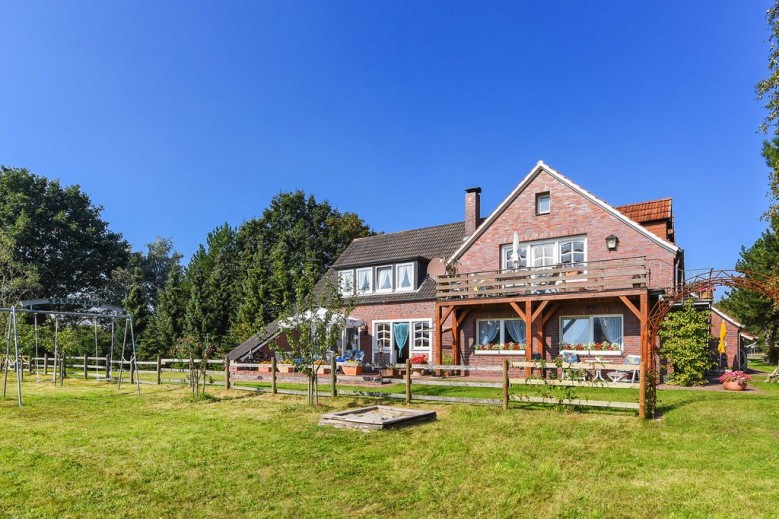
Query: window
[421, 335]
[543, 254]
[569, 252]
[500, 335]
[405, 276]
[601, 333]
[346, 281]
[365, 280]
[572, 252]
[383, 336]
[542, 203]
[384, 279]
[507, 251]
[412, 335]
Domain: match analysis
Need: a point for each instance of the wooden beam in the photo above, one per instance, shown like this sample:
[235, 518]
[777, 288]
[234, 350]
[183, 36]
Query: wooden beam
[455, 339]
[549, 314]
[439, 335]
[528, 334]
[463, 316]
[631, 307]
[449, 310]
[518, 310]
[647, 354]
[539, 310]
[604, 295]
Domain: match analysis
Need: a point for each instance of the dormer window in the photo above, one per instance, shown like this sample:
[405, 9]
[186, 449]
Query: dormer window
[542, 203]
[405, 276]
[346, 282]
[365, 280]
[384, 279]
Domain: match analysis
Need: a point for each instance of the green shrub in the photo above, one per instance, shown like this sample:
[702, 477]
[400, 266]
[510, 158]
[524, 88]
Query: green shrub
[685, 336]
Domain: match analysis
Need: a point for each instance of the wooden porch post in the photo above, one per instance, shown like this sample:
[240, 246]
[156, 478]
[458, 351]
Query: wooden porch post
[647, 351]
[438, 337]
[455, 339]
[528, 336]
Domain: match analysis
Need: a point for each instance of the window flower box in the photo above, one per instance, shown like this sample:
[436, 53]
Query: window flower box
[509, 348]
[607, 349]
[286, 368]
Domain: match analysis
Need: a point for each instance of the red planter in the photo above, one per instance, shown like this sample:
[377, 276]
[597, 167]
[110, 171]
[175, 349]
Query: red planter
[734, 386]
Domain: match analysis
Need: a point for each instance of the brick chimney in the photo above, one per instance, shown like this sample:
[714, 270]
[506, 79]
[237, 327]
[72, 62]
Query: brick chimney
[472, 209]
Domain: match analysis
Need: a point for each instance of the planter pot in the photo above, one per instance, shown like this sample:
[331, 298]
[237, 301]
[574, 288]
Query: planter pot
[264, 369]
[734, 386]
[389, 372]
[352, 370]
[286, 368]
[323, 370]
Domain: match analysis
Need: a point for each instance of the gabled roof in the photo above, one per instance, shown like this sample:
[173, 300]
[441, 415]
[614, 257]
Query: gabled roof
[539, 168]
[255, 342]
[427, 243]
[643, 212]
[726, 317]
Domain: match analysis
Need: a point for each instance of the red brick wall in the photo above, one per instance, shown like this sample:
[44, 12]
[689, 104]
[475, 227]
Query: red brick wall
[570, 215]
[732, 338]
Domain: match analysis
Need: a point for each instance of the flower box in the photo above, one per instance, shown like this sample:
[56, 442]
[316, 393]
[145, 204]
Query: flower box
[352, 370]
[499, 352]
[286, 368]
[264, 368]
[593, 353]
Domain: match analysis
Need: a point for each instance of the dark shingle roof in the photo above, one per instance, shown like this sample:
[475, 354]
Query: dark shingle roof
[254, 342]
[643, 212]
[428, 243]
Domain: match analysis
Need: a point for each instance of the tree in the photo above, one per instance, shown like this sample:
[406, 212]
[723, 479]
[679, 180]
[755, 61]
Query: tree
[685, 337]
[768, 88]
[17, 280]
[60, 232]
[295, 233]
[313, 326]
[167, 323]
[136, 305]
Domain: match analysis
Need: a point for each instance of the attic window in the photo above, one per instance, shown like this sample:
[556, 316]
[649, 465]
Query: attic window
[542, 203]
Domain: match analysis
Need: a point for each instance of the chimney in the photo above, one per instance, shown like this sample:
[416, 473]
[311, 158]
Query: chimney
[472, 209]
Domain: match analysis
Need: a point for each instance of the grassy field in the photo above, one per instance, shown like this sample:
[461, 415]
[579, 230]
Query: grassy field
[83, 450]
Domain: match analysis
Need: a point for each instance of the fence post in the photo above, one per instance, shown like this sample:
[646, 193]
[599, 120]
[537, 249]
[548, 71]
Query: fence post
[642, 390]
[159, 370]
[273, 374]
[132, 371]
[333, 375]
[227, 372]
[408, 381]
[505, 384]
[86, 371]
[45, 363]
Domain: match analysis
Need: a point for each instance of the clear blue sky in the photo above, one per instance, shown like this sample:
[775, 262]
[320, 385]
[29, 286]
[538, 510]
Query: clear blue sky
[179, 116]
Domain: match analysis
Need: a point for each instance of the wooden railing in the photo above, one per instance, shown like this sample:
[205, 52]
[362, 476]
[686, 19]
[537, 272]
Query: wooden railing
[594, 276]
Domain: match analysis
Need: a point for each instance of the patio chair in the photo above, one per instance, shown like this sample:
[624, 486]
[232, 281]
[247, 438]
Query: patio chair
[359, 356]
[620, 375]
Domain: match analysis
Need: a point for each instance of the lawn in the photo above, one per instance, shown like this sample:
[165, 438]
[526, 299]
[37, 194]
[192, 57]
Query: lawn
[83, 450]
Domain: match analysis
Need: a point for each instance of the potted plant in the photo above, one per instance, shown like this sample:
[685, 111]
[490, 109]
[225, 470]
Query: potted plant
[322, 367]
[735, 380]
[416, 360]
[352, 367]
[264, 367]
[388, 371]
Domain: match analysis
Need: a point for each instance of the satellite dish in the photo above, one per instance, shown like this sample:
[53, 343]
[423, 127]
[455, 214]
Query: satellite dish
[436, 267]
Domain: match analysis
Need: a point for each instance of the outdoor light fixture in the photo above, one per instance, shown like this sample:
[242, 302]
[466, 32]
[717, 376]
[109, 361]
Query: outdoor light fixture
[364, 329]
[612, 242]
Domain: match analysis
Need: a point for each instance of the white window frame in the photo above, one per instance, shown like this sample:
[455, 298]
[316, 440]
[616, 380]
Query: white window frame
[341, 274]
[370, 280]
[592, 334]
[502, 340]
[539, 196]
[426, 327]
[398, 288]
[392, 279]
[529, 245]
[393, 351]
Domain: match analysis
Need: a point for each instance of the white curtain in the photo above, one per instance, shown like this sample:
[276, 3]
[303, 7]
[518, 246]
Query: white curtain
[364, 280]
[488, 330]
[385, 279]
[404, 276]
[576, 331]
[612, 328]
[516, 329]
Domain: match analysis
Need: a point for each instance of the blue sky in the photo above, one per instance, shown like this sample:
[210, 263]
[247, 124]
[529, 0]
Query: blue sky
[179, 116]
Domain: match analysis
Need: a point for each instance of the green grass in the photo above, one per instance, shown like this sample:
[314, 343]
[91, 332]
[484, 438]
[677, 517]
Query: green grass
[83, 450]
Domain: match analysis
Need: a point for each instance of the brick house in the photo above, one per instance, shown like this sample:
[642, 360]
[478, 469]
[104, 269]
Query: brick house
[736, 339]
[552, 269]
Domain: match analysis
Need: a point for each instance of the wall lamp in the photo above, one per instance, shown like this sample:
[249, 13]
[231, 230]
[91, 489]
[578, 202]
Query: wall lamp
[612, 242]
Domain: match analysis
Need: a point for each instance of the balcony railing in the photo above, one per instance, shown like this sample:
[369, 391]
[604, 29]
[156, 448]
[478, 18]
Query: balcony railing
[594, 276]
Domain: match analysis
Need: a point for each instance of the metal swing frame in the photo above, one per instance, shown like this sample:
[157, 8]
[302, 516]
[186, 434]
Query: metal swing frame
[28, 307]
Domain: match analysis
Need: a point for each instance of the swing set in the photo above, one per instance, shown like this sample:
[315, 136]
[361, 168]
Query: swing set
[98, 312]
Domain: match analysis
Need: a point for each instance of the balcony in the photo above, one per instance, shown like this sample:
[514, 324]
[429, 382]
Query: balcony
[594, 276]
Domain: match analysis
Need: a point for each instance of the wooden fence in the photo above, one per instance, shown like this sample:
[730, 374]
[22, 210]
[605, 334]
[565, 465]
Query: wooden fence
[154, 372]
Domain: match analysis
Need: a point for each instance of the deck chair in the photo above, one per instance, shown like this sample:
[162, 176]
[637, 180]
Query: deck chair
[620, 375]
[570, 358]
[773, 377]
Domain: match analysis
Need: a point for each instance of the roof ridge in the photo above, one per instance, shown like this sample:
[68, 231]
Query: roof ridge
[411, 230]
[668, 198]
